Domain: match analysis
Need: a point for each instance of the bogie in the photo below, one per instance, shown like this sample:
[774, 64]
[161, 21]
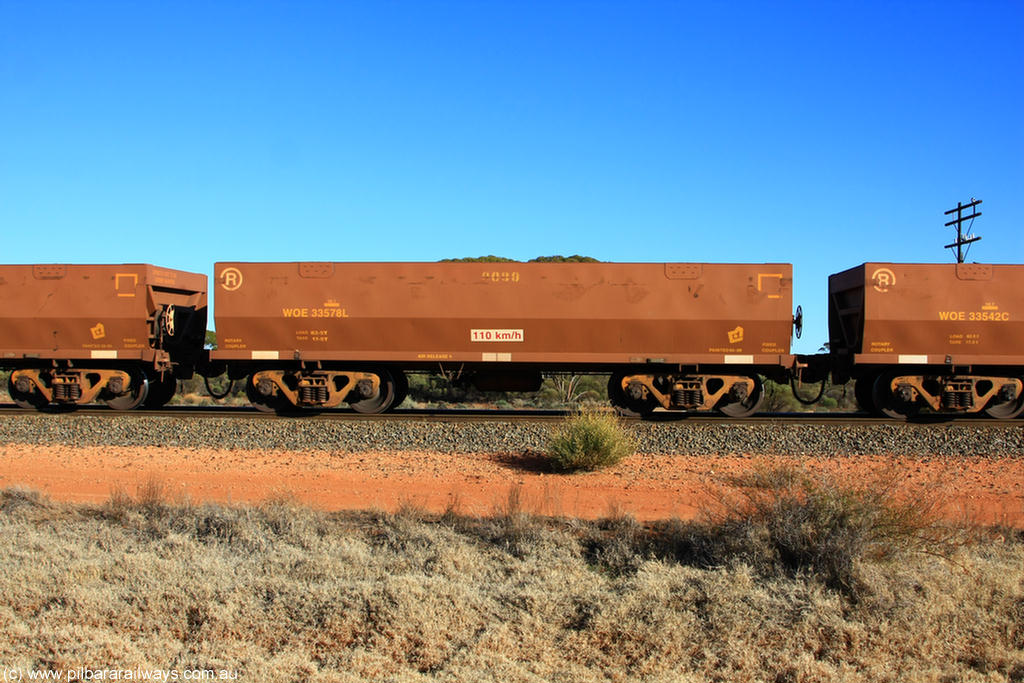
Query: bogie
[373, 390]
[640, 394]
[40, 389]
[899, 395]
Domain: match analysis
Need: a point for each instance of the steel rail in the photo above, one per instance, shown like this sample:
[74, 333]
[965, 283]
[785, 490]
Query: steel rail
[469, 415]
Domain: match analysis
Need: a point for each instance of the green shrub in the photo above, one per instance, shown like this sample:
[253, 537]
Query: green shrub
[589, 440]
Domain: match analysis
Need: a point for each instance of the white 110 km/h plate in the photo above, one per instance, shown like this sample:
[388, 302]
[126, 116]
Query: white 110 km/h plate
[496, 335]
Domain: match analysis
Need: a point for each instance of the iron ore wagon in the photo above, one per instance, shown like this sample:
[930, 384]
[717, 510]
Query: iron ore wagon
[946, 337]
[689, 336]
[119, 334]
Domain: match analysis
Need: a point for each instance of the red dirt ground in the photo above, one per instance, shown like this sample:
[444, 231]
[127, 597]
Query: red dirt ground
[648, 487]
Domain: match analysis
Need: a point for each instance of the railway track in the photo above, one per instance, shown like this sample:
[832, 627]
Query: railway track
[463, 415]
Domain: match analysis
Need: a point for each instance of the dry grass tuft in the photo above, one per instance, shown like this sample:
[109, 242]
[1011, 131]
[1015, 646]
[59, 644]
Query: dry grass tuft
[783, 521]
[512, 527]
[16, 499]
[151, 495]
[785, 518]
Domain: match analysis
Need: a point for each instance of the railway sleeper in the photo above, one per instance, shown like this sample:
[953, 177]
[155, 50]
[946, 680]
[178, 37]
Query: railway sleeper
[901, 395]
[735, 395]
[38, 388]
[314, 389]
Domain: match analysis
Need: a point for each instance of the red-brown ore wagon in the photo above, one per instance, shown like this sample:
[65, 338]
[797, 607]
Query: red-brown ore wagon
[949, 337]
[689, 336]
[113, 333]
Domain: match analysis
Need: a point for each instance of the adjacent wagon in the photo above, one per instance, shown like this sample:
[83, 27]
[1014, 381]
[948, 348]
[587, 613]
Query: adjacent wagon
[946, 337]
[119, 334]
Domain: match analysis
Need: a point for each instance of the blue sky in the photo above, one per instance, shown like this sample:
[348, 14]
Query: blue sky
[824, 134]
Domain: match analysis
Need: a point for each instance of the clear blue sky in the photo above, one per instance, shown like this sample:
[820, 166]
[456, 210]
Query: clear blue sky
[824, 134]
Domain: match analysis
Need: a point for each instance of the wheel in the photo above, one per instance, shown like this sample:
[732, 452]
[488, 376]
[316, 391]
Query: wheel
[401, 388]
[161, 391]
[863, 390]
[29, 400]
[274, 403]
[625, 405]
[382, 401]
[1007, 409]
[889, 403]
[137, 392]
[748, 406]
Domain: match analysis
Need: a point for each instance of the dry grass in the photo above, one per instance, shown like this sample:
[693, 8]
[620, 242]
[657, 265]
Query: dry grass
[788, 518]
[280, 592]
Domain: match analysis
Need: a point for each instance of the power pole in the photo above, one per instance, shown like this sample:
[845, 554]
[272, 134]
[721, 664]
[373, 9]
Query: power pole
[958, 222]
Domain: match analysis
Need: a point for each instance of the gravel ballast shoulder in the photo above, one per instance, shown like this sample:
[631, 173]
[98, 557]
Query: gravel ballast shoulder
[305, 434]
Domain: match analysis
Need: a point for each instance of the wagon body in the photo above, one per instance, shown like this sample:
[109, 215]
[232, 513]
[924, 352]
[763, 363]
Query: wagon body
[541, 314]
[944, 338]
[91, 314]
[928, 314]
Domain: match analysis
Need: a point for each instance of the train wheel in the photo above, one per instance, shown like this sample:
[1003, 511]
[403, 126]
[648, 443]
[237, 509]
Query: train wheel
[890, 403]
[272, 402]
[29, 400]
[401, 388]
[136, 394]
[750, 405]
[383, 400]
[863, 390]
[623, 404]
[1007, 409]
[161, 391]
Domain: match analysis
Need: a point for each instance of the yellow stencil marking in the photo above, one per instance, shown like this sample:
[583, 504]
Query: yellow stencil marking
[771, 283]
[230, 279]
[883, 279]
[126, 290]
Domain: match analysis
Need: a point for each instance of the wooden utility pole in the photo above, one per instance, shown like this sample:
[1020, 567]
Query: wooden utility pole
[958, 222]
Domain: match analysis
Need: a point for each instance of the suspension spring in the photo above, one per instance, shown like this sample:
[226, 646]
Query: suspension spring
[957, 395]
[66, 392]
[957, 399]
[313, 394]
[686, 398]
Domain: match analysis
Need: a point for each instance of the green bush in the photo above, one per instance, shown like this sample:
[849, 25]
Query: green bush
[588, 441]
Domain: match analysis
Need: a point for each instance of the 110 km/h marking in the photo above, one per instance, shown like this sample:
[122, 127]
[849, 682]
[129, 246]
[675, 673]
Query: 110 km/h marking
[496, 335]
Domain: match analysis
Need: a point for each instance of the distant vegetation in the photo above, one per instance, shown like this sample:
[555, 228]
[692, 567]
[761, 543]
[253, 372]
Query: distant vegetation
[479, 259]
[575, 258]
[556, 392]
[836, 398]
